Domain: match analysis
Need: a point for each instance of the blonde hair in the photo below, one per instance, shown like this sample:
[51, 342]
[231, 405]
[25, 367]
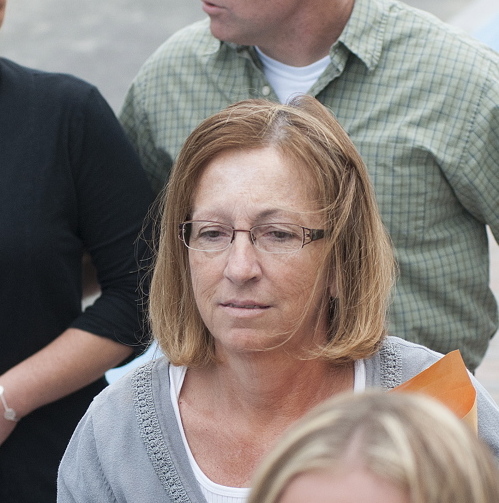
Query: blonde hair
[358, 259]
[410, 440]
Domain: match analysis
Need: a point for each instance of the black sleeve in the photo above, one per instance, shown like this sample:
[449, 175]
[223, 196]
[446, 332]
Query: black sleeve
[113, 197]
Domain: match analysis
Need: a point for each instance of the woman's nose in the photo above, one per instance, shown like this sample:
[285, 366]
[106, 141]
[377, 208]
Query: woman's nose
[243, 260]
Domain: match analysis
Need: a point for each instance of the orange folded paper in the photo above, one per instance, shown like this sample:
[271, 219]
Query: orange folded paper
[449, 382]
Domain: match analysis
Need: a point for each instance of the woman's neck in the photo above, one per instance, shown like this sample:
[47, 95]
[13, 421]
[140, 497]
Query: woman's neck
[264, 386]
[233, 412]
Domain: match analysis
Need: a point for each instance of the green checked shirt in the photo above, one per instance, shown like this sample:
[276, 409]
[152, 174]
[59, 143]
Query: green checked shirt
[420, 100]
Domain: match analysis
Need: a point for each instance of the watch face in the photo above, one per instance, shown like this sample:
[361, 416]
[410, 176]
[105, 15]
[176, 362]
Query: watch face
[10, 415]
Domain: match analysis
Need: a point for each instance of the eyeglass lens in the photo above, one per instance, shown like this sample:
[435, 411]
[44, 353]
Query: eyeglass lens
[272, 238]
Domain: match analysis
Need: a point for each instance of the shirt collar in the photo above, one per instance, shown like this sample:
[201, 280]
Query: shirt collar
[364, 33]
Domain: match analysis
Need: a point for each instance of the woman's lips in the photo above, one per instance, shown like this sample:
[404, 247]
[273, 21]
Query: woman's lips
[245, 306]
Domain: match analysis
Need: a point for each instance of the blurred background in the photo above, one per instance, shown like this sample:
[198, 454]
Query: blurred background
[106, 41]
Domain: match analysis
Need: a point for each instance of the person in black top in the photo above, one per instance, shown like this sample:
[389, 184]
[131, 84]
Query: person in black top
[70, 184]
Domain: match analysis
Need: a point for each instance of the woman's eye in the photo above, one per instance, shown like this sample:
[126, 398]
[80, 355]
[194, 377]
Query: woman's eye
[212, 234]
[280, 234]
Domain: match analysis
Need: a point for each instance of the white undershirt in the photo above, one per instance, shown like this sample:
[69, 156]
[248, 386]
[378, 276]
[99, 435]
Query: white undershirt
[216, 493]
[289, 80]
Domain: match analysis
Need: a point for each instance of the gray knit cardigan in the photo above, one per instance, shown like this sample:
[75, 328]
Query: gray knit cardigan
[128, 447]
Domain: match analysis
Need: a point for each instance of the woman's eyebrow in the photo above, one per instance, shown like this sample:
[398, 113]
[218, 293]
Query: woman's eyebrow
[274, 211]
[259, 216]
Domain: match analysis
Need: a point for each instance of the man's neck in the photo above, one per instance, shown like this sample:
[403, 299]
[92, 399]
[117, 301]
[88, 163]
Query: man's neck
[312, 39]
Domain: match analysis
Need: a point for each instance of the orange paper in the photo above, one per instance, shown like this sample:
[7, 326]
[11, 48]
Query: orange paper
[449, 382]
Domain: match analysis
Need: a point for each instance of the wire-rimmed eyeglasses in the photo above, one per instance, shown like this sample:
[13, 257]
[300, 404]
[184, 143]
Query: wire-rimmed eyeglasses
[208, 236]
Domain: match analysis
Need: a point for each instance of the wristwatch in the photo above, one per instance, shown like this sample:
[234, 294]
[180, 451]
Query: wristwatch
[9, 412]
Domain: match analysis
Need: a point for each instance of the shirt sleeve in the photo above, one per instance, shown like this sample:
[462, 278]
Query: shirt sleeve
[476, 178]
[113, 197]
[155, 160]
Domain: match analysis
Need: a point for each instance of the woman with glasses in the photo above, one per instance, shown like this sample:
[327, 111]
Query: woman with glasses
[269, 292]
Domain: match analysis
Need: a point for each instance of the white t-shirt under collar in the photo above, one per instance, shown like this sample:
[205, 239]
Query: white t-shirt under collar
[289, 80]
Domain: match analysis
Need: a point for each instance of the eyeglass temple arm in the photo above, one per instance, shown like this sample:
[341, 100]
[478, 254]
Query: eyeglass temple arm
[315, 234]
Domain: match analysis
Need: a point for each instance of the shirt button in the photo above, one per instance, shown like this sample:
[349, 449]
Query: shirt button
[265, 90]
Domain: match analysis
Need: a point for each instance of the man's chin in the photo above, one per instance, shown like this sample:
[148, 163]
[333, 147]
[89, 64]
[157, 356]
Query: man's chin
[219, 31]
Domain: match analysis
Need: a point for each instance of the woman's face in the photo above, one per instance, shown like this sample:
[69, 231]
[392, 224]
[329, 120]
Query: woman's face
[250, 299]
[357, 484]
